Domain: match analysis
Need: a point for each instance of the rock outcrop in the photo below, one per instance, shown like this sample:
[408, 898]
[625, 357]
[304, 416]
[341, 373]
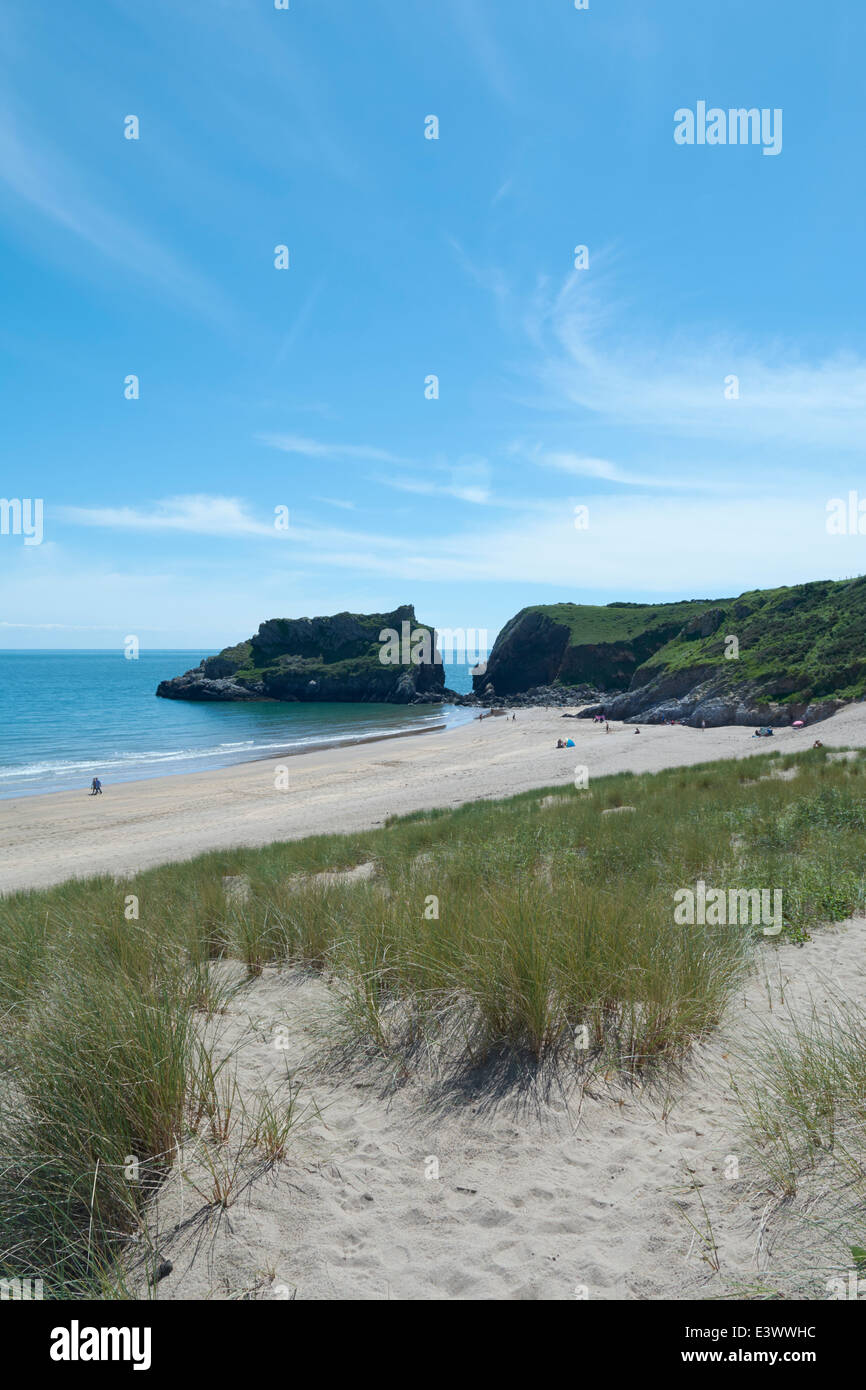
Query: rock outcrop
[538, 697]
[712, 702]
[331, 658]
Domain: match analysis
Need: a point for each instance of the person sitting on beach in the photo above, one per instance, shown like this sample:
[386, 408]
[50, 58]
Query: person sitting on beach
[96, 787]
[559, 743]
[637, 731]
[817, 743]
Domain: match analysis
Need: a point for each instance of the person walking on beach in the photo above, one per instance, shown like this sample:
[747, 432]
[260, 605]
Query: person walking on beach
[96, 787]
[703, 725]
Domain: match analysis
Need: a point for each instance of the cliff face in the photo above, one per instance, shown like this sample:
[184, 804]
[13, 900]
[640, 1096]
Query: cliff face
[331, 658]
[576, 644]
[767, 657]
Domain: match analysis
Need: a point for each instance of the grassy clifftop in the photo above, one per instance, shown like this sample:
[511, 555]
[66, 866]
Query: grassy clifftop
[807, 640]
[796, 646]
[576, 643]
[589, 623]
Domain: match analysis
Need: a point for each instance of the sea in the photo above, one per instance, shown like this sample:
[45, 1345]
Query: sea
[69, 716]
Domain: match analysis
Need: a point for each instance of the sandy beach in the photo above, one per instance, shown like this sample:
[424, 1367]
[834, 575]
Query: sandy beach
[135, 825]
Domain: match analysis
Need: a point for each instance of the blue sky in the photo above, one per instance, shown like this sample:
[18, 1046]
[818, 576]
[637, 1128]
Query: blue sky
[304, 388]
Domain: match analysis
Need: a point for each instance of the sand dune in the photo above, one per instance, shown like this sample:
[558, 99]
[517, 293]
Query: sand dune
[45, 839]
[611, 1194]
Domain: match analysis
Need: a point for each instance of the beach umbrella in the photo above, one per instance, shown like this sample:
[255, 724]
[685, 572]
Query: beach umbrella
[799, 723]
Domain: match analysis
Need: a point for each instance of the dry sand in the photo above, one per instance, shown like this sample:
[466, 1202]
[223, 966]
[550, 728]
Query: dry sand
[134, 825]
[603, 1194]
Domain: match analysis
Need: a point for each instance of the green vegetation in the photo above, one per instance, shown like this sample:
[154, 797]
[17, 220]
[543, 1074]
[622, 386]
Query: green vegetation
[799, 643]
[279, 668]
[810, 638]
[804, 1104]
[555, 944]
[343, 647]
[806, 1096]
[621, 622]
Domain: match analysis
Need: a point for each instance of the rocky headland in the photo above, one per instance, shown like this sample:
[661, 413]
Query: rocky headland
[330, 658]
[768, 657]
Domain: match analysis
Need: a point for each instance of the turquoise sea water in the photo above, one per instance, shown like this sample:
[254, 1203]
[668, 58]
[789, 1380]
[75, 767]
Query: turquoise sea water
[66, 717]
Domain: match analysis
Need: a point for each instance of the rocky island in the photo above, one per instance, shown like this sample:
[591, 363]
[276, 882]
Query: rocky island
[331, 658]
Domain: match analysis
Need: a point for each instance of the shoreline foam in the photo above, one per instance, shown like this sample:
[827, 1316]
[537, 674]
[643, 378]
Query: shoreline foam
[297, 751]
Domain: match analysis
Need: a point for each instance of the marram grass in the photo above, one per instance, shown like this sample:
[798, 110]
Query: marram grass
[541, 933]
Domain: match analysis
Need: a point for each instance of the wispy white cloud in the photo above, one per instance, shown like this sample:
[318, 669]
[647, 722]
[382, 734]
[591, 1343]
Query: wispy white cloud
[208, 515]
[580, 466]
[201, 514]
[488, 277]
[279, 100]
[633, 545]
[480, 37]
[767, 539]
[298, 324]
[342, 502]
[319, 449]
[467, 481]
[41, 179]
[425, 488]
[589, 359]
